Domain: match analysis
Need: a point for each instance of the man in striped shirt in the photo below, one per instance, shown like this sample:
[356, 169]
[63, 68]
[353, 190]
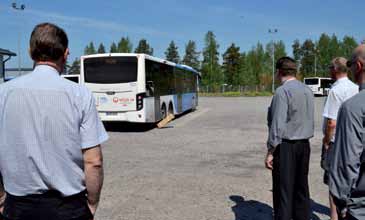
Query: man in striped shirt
[50, 136]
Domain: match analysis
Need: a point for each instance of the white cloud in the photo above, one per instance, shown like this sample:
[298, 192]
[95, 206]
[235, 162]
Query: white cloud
[91, 23]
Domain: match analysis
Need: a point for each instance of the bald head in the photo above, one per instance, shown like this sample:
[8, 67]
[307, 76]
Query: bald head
[356, 64]
[359, 53]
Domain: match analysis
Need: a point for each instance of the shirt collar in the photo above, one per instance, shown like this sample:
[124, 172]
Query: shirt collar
[292, 79]
[341, 80]
[46, 69]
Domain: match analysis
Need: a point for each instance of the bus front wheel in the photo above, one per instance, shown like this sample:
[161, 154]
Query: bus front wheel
[163, 111]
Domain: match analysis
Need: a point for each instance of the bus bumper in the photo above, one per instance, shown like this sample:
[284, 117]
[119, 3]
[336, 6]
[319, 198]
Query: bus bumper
[132, 116]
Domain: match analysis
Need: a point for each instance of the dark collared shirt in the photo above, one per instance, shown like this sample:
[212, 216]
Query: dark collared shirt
[291, 113]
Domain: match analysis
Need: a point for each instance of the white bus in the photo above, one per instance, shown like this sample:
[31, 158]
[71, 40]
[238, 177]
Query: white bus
[319, 85]
[138, 87]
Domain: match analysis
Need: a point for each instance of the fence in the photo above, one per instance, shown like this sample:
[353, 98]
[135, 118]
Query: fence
[233, 88]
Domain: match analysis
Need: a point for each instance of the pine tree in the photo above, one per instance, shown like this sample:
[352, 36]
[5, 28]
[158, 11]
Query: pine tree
[323, 52]
[172, 53]
[125, 45]
[334, 49]
[113, 48]
[297, 51]
[307, 62]
[231, 65]
[101, 48]
[243, 70]
[90, 49]
[191, 57]
[86, 50]
[75, 67]
[348, 44]
[211, 72]
[280, 50]
[144, 47]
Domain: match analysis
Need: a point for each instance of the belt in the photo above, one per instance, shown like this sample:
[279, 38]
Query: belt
[51, 194]
[303, 141]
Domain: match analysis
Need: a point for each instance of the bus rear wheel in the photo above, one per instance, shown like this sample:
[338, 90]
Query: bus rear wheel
[171, 109]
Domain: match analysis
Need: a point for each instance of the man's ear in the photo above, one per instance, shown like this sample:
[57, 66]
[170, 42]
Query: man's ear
[359, 66]
[65, 55]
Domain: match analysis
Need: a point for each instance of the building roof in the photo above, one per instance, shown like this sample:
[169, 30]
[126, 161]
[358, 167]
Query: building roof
[6, 52]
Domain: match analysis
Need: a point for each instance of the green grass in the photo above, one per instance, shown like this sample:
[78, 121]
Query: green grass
[236, 94]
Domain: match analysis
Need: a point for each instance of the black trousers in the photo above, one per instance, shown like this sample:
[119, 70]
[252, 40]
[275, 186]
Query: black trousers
[290, 180]
[48, 206]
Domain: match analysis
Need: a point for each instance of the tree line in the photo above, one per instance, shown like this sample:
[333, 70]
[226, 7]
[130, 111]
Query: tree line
[252, 68]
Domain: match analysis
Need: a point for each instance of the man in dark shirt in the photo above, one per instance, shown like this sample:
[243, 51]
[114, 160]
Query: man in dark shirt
[347, 167]
[291, 125]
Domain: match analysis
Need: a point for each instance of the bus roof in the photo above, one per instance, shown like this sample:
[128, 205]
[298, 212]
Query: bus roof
[180, 66]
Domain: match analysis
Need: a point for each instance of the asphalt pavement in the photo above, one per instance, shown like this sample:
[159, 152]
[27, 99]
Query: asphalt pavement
[205, 165]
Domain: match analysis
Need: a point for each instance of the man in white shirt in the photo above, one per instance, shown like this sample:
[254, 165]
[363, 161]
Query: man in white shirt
[341, 90]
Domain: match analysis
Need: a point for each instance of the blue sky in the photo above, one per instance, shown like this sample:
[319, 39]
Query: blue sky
[244, 22]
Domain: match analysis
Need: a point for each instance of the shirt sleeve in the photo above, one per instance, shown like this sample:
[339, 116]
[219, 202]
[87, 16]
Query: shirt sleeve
[92, 129]
[345, 164]
[278, 118]
[333, 104]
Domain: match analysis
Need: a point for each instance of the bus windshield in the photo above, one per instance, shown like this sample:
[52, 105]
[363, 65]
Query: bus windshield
[113, 70]
[313, 81]
[326, 83]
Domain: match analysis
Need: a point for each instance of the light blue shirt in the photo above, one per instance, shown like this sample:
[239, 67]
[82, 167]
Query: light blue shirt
[45, 123]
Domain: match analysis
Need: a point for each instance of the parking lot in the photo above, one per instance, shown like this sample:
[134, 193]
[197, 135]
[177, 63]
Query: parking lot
[207, 164]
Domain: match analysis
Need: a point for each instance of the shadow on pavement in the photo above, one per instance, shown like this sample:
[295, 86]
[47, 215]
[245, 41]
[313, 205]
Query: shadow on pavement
[137, 127]
[255, 210]
[321, 209]
[128, 127]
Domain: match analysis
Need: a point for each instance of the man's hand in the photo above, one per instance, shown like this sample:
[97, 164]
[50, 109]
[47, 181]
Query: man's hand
[269, 161]
[93, 163]
[2, 196]
[326, 143]
[92, 208]
[343, 213]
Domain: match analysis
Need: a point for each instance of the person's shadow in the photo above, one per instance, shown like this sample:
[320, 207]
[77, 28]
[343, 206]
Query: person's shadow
[255, 210]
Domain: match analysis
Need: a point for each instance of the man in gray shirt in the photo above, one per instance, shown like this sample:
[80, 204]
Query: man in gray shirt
[291, 125]
[347, 168]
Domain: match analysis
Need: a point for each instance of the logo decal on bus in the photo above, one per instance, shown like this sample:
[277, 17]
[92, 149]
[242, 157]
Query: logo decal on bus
[123, 101]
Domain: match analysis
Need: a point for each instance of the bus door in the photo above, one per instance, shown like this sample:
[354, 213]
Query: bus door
[156, 68]
[179, 89]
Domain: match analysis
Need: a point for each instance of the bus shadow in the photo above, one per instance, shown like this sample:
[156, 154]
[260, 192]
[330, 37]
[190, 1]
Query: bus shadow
[139, 127]
[128, 127]
[183, 114]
